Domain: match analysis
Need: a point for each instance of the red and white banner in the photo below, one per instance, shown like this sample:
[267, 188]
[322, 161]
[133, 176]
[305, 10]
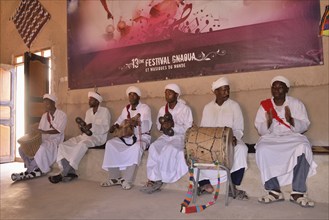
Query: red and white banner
[114, 42]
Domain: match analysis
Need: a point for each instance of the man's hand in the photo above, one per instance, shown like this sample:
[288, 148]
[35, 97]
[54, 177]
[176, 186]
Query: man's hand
[288, 116]
[167, 124]
[89, 126]
[113, 127]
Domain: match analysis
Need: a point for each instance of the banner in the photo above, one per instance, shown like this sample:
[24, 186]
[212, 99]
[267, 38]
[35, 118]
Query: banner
[124, 42]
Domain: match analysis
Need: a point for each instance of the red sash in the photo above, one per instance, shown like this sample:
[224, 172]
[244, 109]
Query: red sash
[267, 105]
[166, 109]
[128, 113]
[49, 120]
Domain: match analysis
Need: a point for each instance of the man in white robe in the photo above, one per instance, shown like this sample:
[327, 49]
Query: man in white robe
[166, 161]
[51, 127]
[225, 112]
[283, 155]
[71, 152]
[123, 154]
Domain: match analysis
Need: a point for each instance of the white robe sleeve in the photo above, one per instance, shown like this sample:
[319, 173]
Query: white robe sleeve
[261, 122]
[183, 120]
[238, 122]
[299, 113]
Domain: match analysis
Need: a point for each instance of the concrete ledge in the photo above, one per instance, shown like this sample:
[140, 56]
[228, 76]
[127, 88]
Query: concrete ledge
[90, 169]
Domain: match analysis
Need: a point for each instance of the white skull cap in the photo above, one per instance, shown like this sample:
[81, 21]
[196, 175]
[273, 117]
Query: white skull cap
[173, 87]
[133, 89]
[50, 96]
[96, 96]
[223, 81]
[281, 79]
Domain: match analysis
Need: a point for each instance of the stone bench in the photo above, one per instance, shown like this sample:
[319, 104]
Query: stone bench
[90, 169]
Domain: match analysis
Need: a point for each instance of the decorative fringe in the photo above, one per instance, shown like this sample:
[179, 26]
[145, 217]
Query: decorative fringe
[324, 25]
[185, 208]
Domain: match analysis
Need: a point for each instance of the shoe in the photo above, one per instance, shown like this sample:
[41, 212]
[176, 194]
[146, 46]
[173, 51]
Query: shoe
[151, 187]
[125, 185]
[69, 177]
[55, 179]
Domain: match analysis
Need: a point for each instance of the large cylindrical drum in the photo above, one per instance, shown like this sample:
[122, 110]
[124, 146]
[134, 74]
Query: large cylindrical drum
[209, 145]
[30, 144]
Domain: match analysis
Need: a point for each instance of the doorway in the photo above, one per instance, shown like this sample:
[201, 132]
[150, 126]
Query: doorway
[20, 96]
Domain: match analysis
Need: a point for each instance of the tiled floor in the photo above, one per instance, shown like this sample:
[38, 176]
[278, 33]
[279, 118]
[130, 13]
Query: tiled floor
[81, 199]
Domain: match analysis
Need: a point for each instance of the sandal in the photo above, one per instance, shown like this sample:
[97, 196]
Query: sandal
[18, 176]
[151, 187]
[271, 197]
[112, 182]
[239, 195]
[69, 177]
[55, 179]
[303, 201]
[125, 185]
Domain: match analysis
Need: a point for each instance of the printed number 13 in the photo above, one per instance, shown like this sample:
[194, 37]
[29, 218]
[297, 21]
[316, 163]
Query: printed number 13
[135, 63]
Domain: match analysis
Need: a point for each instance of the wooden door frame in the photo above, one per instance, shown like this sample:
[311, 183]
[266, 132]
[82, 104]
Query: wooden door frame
[28, 57]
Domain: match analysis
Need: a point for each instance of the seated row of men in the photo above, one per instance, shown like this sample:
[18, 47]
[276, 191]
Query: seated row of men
[283, 154]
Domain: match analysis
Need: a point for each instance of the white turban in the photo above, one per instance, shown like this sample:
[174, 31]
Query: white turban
[96, 96]
[50, 96]
[223, 81]
[281, 79]
[174, 87]
[133, 89]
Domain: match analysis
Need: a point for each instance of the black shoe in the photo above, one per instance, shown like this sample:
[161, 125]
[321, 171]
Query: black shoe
[69, 177]
[55, 179]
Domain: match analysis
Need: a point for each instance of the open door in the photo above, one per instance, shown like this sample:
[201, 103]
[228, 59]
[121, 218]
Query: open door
[36, 73]
[7, 116]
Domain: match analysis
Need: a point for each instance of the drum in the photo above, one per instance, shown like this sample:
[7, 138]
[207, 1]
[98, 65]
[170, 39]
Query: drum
[30, 144]
[207, 145]
[126, 129]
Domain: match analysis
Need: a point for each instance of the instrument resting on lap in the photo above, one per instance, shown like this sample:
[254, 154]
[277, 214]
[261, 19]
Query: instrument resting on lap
[126, 129]
[30, 143]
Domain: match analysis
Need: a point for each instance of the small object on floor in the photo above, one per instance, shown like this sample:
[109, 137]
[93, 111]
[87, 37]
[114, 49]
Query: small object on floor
[302, 200]
[271, 197]
[69, 177]
[239, 195]
[112, 182]
[151, 187]
[205, 189]
[55, 179]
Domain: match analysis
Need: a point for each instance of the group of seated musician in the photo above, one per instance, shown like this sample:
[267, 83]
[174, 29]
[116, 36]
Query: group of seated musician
[283, 153]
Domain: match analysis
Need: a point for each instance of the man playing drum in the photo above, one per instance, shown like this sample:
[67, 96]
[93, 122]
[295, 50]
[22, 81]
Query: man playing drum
[166, 161]
[70, 152]
[123, 153]
[283, 154]
[51, 127]
[225, 112]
